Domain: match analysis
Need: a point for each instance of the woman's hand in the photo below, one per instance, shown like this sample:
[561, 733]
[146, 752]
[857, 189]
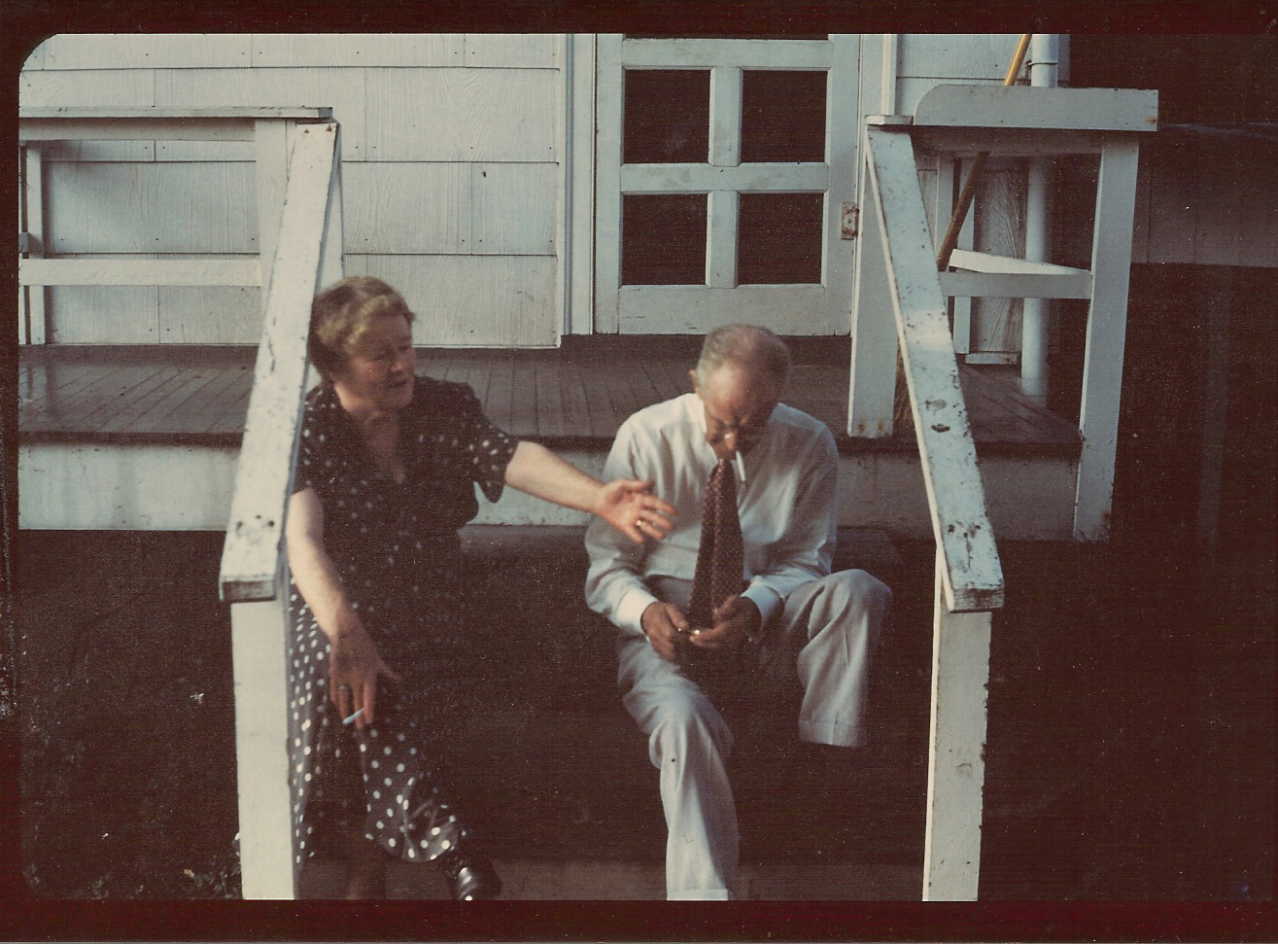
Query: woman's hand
[630, 507]
[353, 667]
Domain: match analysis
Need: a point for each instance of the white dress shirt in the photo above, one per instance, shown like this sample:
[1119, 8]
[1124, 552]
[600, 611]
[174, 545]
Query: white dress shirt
[789, 520]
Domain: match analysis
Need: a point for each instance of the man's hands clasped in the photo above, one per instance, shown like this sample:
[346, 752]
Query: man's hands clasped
[669, 630]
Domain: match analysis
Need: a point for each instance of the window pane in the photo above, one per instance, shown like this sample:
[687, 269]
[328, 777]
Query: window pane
[782, 116]
[667, 116]
[779, 238]
[663, 239]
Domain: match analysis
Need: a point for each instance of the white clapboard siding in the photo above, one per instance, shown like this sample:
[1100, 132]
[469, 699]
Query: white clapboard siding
[462, 114]
[210, 315]
[394, 207]
[956, 55]
[1000, 229]
[358, 49]
[149, 207]
[340, 89]
[110, 314]
[513, 50]
[133, 87]
[146, 50]
[473, 301]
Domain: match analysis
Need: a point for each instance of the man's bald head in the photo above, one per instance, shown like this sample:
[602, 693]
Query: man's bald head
[755, 350]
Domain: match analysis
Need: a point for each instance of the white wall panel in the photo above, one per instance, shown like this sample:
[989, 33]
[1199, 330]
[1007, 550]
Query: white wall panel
[956, 55]
[150, 207]
[212, 315]
[513, 50]
[462, 114]
[133, 87]
[473, 301]
[340, 89]
[449, 207]
[358, 49]
[1000, 229]
[115, 314]
[145, 50]
[910, 90]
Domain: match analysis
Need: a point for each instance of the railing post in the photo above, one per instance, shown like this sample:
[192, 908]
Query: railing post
[267, 868]
[956, 751]
[1106, 337]
[872, 381]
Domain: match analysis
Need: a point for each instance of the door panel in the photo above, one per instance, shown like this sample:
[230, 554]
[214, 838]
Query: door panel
[721, 169]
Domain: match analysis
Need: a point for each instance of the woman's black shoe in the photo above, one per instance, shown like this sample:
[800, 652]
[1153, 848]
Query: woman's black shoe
[470, 878]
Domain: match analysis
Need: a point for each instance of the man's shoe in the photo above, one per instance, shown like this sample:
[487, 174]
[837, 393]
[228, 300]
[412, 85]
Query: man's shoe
[470, 878]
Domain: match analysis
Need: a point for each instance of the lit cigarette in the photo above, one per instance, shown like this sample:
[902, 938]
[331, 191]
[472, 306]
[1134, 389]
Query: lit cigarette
[736, 456]
[351, 719]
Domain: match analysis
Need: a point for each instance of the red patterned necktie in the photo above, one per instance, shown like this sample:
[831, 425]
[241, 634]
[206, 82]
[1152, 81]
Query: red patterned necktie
[719, 559]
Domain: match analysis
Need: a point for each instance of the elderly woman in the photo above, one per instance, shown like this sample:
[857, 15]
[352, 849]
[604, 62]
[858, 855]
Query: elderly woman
[385, 476]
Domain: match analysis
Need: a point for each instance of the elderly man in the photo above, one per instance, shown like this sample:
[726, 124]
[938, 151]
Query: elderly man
[739, 597]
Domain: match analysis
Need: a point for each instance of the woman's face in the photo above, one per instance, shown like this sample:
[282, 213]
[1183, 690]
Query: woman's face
[378, 374]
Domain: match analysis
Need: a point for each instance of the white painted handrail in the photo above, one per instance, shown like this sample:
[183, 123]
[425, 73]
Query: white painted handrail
[972, 572]
[251, 556]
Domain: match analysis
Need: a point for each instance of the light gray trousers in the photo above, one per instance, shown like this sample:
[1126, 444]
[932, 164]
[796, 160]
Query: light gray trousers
[821, 641]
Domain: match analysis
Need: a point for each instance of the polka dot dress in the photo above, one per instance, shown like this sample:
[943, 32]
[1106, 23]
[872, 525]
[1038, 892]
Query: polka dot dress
[396, 549]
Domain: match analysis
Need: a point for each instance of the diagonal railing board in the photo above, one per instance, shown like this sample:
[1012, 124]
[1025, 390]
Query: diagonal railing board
[230, 272]
[251, 555]
[972, 573]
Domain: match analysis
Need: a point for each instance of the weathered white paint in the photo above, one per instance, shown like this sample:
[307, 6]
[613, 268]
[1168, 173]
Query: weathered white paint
[973, 574]
[258, 660]
[35, 324]
[696, 178]
[706, 53]
[341, 91]
[114, 87]
[956, 56]
[650, 309]
[999, 226]
[609, 97]
[250, 558]
[333, 50]
[872, 377]
[451, 207]
[993, 262]
[514, 50]
[693, 309]
[188, 488]
[473, 301]
[1014, 106]
[98, 271]
[1011, 285]
[431, 114]
[579, 190]
[145, 50]
[956, 751]
[1106, 337]
[947, 185]
[136, 487]
[207, 315]
[150, 207]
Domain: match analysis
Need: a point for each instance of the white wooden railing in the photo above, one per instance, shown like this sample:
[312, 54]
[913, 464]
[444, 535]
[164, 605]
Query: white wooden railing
[969, 574]
[308, 255]
[896, 270]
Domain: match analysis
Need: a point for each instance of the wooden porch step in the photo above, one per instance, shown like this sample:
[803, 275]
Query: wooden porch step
[572, 397]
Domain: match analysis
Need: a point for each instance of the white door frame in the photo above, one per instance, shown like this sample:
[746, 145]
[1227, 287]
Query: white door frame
[662, 309]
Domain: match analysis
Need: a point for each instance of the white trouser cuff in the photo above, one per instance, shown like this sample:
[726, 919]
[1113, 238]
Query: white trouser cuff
[830, 732]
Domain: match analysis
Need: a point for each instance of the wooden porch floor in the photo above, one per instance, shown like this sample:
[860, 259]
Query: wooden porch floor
[571, 396]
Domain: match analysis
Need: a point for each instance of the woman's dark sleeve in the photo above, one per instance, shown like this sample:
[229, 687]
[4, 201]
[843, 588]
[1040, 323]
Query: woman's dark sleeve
[485, 449]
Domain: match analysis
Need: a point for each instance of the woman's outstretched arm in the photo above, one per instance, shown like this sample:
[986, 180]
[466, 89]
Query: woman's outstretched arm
[626, 504]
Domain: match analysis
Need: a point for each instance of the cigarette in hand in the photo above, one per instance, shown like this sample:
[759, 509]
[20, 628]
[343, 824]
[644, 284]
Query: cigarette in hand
[351, 719]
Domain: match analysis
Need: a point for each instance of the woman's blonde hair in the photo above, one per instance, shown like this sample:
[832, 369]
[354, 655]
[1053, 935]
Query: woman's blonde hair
[342, 313]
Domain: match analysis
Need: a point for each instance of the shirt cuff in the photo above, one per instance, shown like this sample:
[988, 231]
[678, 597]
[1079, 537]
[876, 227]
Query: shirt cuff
[628, 616]
[766, 599]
